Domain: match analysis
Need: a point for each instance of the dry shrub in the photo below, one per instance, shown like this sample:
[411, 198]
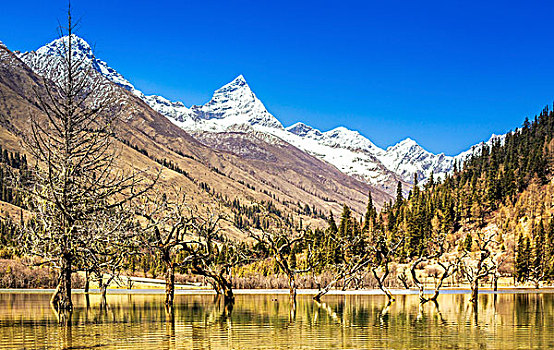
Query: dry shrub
[307, 281]
[15, 274]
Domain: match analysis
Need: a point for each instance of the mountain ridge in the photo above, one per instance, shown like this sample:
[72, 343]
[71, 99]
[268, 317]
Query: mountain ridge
[235, 104]
[207, 174]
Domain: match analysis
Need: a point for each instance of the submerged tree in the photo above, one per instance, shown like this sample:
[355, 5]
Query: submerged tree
[213, 254]
[166, 233]
[281, 242]
[477, 266]
[116, 241]
[77, 175]
[435, 251]
[344, 252]
[383, 251]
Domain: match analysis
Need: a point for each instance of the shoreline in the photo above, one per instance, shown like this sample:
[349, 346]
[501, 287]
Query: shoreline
[360, 292]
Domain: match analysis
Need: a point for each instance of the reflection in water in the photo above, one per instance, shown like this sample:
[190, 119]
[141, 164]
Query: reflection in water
[505, 321]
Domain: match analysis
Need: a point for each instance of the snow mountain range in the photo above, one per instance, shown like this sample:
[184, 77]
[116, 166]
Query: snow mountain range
[235, 108]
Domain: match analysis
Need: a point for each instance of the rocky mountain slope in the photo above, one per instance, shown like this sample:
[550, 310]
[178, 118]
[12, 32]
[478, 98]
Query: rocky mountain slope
[207, 173]
[235, 108]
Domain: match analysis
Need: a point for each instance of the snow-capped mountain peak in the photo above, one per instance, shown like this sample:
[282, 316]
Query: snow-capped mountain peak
[404, 146]
[407, 142]
[342, 137]
[238, 82]
[235, 108]
[303, 130]
[59, 47]
[47, 58]
[232, 104]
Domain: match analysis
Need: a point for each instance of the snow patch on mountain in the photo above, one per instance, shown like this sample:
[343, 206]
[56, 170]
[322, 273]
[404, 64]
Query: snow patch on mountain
[233, 104]
[325, 146]
[235, 108]
[48, 57]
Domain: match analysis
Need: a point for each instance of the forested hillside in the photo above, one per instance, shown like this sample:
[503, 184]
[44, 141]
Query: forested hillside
[505, 188]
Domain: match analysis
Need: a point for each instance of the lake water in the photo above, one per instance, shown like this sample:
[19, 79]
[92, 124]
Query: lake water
[504, 321]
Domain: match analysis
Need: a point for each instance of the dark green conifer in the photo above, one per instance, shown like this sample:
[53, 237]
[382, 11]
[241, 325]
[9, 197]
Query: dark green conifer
[399, 195]
[538, 252]
[345, 227]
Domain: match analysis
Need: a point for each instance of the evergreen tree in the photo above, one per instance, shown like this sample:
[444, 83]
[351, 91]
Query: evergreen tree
[346, 227]
[494, 175]
[399, 195]
[523, 253]
[538, 252]
[332, 226]
[549, 250]
[370, 216]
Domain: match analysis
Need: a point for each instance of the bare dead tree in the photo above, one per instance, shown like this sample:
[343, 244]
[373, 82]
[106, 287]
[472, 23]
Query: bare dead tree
[475, 267]
[383, 252]
[403, 278]
[435, 252]
[166, 233]
[77, 174]
[108, 266]
[212, 254]
[281, 241]
[354, 257]
[116, 241]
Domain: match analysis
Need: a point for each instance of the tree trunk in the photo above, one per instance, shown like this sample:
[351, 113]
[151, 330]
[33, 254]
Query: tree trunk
[422, 298]
[61, 299]
[404, 282]
[420, 286]
[381, 282]
[169, 286]
[87, 281]
[435, 295]
[474, 291]
[495, 282]
[325, 290]
[228, 294]
[103, 291]
[224, 287]
[387, 293]
[292, 287]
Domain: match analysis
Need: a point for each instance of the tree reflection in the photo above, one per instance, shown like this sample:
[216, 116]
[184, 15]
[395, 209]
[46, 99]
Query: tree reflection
[328, 310]
[170, 329]
[292, 307]
[439, 313]
[64, 317]
[204, 322]
[66, 335]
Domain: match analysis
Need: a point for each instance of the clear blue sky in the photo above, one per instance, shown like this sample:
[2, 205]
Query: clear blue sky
[445, 73]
